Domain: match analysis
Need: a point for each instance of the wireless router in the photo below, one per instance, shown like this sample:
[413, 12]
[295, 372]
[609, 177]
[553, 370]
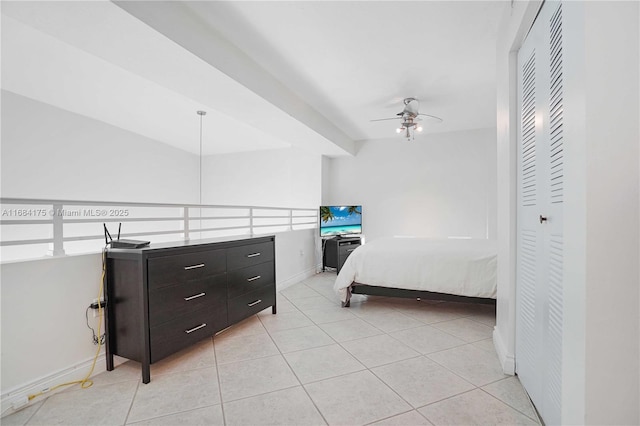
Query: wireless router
[124, 244]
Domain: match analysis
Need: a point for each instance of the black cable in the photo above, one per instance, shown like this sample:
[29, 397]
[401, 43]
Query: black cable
[93, 331]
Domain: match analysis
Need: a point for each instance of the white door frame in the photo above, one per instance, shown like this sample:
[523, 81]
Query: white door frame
[518, 19]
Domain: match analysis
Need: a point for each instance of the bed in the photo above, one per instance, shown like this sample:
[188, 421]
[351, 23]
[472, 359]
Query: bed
[445, 269]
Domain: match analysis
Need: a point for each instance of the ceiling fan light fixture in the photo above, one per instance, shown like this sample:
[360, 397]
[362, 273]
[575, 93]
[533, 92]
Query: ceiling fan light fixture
[410, 116]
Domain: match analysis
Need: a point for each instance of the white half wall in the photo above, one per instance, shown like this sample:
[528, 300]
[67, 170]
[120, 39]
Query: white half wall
[440, 185]
[43, 320]
[51, 153]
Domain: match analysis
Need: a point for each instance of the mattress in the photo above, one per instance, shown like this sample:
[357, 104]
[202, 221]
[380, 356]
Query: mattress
[463, 267]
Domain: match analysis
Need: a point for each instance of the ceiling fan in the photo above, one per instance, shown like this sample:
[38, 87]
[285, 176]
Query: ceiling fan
[410, 118]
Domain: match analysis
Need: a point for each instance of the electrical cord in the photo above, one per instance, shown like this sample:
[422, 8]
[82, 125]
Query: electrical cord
[85, 383]
[96, 341]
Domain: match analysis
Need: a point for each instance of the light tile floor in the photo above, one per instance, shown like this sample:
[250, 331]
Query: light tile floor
[384, 361]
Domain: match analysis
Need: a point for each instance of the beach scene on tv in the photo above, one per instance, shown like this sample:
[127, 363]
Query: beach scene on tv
[340, 220]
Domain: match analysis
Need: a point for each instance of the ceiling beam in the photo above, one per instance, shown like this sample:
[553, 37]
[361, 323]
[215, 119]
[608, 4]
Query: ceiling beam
[183, 26]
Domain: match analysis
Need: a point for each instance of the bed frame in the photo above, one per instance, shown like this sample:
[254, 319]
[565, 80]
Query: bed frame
[413, 294]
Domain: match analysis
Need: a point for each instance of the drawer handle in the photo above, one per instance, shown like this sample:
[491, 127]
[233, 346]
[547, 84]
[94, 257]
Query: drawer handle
[257, 277]
[255, 303]
[254, 254]
[350, 249]
[201, 265]
[196, 328]
[195, 296]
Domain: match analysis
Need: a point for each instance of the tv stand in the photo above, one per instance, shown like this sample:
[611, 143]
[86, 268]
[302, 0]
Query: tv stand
[337, 249]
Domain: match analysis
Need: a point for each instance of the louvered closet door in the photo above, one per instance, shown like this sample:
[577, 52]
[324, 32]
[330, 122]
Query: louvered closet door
[540, 196]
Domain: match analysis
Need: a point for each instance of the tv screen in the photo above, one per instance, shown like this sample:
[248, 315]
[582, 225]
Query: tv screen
[340, 220]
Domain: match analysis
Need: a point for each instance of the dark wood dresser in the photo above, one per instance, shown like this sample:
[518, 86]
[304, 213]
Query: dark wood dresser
[165, 297]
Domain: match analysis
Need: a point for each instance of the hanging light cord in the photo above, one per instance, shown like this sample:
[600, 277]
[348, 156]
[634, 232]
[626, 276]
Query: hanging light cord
[201, 114]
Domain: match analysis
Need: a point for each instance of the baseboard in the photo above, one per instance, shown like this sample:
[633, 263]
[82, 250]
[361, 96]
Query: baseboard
[507, 361]
[296, 278]
[17, 398]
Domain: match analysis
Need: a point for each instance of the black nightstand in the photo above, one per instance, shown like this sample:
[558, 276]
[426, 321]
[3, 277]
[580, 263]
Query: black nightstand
[337, 250]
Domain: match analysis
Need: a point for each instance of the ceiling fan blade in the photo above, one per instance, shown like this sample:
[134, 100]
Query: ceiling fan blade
[383, 119]
[432, 116]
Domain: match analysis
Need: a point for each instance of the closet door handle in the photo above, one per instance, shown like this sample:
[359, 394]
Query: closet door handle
[543, 218]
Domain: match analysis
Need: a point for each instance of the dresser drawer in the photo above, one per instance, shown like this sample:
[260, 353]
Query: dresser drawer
[245, 280]
[173, 301]
[184, 331]
[249, 255]
[345, 250]
[167, 270]
[250, 303]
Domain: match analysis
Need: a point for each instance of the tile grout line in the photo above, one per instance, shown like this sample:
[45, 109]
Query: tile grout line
[32, 414]
[450, 370]
[505, 403]
[133, 399]
[390, 417]
[434, 352]
[527, 396]
[442, 400]
[298, 378]
[215, 356]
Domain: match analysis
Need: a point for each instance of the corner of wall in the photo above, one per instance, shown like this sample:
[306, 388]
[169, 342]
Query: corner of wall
[507, 360]
[325, 190]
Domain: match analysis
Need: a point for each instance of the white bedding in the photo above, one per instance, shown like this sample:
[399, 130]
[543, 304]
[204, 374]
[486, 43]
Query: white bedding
[460, 267]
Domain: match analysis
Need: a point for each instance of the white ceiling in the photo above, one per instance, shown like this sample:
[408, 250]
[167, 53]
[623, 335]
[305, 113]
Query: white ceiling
[270, 74]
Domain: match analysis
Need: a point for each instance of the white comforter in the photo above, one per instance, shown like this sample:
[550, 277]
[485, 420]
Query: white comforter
[460, 267]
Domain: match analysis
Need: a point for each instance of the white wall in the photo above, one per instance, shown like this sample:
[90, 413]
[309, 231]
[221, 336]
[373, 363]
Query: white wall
[286, 177]
[51, 153]
[326, 181]
[611, 80]
[297, 256]
[43, 318]
[439, 185]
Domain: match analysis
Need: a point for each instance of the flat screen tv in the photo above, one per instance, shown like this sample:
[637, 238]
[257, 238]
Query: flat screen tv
[340, 220]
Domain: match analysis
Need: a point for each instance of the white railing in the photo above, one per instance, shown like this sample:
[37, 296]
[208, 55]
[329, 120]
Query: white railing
[31, 228]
